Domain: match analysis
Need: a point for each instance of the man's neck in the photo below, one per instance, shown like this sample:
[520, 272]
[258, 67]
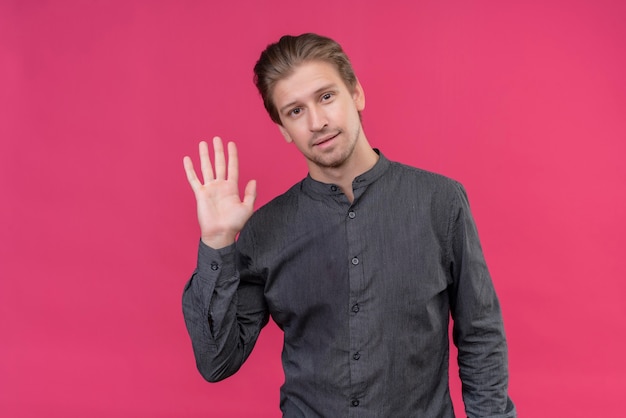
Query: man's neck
[361, 161]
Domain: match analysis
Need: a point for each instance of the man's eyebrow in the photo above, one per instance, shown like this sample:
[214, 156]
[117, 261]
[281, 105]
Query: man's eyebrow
[330, 86]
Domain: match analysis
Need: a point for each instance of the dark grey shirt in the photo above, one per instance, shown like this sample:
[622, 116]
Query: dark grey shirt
[363, 293]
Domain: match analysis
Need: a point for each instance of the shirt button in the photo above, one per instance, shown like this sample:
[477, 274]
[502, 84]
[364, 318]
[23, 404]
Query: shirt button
[214, 266]
[355, 261]
[355, 402]
[333, 188]
[351, 214]
[356, 355]
[355, 308]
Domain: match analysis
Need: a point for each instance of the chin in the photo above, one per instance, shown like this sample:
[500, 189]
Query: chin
[331, 161]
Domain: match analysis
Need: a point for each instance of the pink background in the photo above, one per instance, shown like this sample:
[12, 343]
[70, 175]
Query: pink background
[523, 102]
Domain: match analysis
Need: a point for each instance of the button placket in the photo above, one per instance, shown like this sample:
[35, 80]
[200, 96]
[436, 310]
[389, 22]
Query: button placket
[356, 234]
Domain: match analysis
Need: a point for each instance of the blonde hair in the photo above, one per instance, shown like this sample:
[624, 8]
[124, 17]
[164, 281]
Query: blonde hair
[279, 60]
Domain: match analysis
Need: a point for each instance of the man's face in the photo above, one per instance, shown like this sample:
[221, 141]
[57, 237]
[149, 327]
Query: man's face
[320, 114]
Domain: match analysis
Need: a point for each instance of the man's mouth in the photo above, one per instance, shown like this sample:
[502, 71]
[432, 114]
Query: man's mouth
[325, 139]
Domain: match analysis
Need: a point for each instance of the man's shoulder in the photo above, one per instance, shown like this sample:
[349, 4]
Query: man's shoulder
[281, 205]
[271, 223]
[422, 178]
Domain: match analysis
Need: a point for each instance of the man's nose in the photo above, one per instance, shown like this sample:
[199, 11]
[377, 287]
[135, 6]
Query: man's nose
[317, 119]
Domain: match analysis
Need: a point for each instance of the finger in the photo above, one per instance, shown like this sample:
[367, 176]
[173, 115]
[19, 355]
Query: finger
[205, 162]
[220, 160]
[233, 162]
[249, 194]
[192, 178]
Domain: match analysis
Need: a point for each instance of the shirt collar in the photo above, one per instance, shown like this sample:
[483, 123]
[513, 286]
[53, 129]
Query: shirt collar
[311, 185]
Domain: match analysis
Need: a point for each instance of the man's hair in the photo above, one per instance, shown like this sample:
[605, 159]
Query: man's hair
[279, 60]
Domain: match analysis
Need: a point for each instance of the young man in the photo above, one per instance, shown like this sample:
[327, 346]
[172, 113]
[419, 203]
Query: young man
[360, 264]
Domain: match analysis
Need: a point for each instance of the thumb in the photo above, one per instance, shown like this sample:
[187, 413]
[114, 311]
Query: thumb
[249, 194]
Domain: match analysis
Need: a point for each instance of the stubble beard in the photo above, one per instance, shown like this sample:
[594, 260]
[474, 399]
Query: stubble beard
[332, 160]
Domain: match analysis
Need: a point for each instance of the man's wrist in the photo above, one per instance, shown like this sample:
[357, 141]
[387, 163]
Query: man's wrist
[218, 241]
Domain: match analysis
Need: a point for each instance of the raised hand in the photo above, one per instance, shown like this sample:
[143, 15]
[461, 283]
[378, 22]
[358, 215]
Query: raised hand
[221, 212]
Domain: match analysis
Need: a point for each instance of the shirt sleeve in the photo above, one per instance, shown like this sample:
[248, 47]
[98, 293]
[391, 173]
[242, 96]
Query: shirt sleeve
[224, 310]
[478, 330]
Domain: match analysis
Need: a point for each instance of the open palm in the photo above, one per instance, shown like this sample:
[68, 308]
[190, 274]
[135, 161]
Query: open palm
[221, 211]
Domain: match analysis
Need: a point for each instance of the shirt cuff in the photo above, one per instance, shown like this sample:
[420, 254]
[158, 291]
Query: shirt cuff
[212, 262]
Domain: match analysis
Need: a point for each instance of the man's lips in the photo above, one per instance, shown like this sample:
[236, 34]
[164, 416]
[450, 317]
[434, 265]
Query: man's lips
[323, 140]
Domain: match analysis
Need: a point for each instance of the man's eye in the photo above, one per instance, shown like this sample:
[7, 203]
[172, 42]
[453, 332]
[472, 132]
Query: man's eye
[296, 111]
[327, 96]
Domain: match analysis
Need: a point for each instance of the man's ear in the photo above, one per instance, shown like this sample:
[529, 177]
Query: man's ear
[285, 134]
[358, 95]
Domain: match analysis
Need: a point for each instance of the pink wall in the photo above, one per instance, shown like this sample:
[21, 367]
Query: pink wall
[99, 101]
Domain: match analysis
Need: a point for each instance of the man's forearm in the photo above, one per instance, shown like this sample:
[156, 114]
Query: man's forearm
[222, 325]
